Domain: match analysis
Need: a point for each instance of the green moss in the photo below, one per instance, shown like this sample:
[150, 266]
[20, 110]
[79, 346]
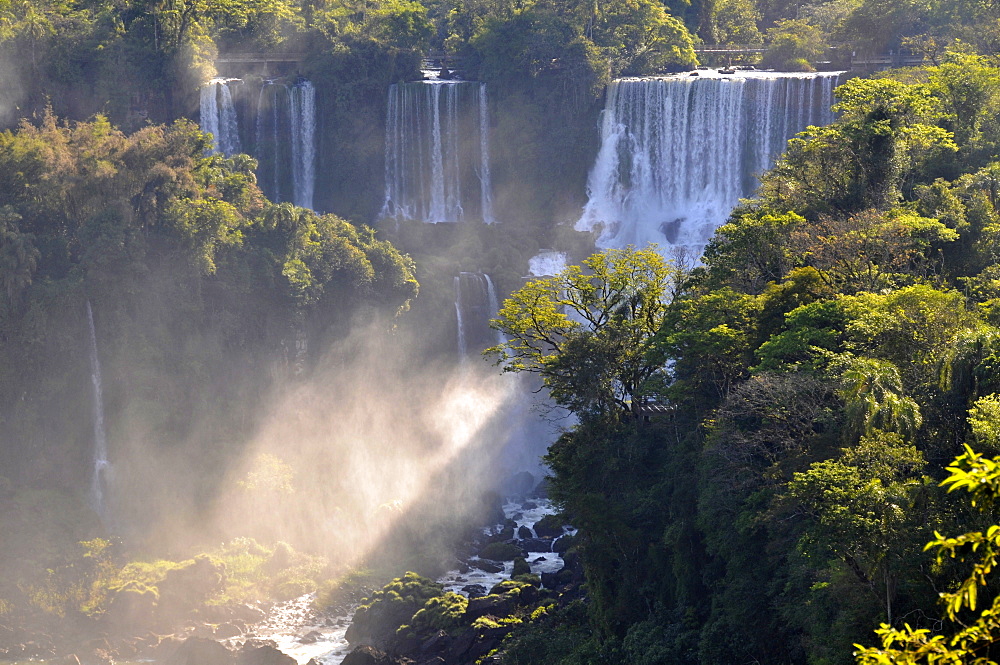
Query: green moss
[513, 587]
[521, 567]
[500, 552]
[440, 613]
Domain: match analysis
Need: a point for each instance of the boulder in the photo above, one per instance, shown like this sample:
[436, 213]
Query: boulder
[549, 526]
[524, 533]
[188, 585]
[521, 567]
[311, 637]
[501, 552]
[263, 655]
[541, 490]
[474, 590]
[133, 607]
[367, 655]
[493, 605]
[225, 631]
[519, 485]
[564, 543]
[486, 565]
[201, 651]
[537, 545]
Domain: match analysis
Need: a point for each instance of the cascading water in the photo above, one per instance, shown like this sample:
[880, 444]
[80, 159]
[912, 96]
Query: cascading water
[677, 154]
[302, 111]
[476, 302]
[285, 136]
[279, 125]
[436, 149]
[218, 115]
[102, 467]
[547, 262]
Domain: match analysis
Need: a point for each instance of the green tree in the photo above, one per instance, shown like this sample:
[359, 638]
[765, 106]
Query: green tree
[971, 631]
[793, 45]
[589, 331]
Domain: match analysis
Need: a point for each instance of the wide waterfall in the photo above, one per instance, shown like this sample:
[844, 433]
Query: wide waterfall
[437, 159]
[102, 467]
[276, 124]
[678, 153]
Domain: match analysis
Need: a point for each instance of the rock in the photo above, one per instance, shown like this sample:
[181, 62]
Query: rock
[486, 565]
[225, 631]
[263, 655]
[518, 517]
[491, 509]
[529, 505]
[367, 655]
[436, 643]
[521, 567]
[519, 485]
[460, 645]
[541, 490]
[564, 543]
[506, 533]
[493, 605]
[524, 533]
[549, 526]
[571, 559]
[188, 585]
[311, 637]
[501, 552]
[537, 545]
[201, 651]
[474, 590]
[164, 648]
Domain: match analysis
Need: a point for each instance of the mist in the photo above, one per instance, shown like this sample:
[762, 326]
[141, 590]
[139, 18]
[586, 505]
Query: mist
[373, 453]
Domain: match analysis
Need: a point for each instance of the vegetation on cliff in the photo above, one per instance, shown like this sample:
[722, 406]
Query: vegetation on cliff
[769, 497]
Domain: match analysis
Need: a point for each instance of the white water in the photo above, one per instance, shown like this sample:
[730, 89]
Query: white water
[436, 142]
[288, 622]
[218, 115]
[678, 153]
[476, 303]
[302, 113]
[102, 467]
[546, 263]
[284, 137]
[462, 346]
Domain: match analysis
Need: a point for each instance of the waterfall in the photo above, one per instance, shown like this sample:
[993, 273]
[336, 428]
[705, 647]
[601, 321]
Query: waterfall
[302, 102]
[436, 147]
[476, 303]
[547, 262]
[677, 154]
[485, 185]
[102, 467]
[280, 127]
[218, 115]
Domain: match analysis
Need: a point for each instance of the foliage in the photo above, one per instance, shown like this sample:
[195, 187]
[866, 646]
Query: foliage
[598, 363]
[971, 633]
[793, 44]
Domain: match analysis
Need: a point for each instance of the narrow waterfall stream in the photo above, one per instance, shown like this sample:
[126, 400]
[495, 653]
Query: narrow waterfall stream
[102, 467]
